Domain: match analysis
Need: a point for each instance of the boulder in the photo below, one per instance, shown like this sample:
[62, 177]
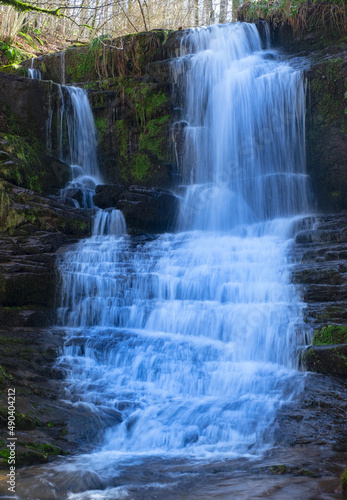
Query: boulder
[107, 195]
[148, 210]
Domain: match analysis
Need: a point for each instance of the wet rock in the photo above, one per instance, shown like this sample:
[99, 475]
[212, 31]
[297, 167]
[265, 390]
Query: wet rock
[316, 416]
[148, 210]
[107, 195]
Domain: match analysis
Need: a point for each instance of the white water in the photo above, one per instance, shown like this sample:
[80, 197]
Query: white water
[77, 117]
[34, 74]
[191, 337]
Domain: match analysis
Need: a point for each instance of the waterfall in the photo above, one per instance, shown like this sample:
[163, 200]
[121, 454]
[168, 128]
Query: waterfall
[192, 336]
[244, 157]
[77, 122]
[34, 74]
[77, 116]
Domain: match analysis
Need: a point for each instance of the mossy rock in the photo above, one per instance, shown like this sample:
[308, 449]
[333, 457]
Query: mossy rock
[344, 482]
[331, 334]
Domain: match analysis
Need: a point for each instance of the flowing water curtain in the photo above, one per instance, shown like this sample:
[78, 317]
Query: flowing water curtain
[192, 335]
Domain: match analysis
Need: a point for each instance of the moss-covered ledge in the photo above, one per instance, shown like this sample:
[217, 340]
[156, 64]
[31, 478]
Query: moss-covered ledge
[328, 353]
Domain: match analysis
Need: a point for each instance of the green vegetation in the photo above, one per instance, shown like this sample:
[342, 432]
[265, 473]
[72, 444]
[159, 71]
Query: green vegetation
[25, 422]
[25, 7]
[80, 65]
[150, 104]
[5, 377]
[101, 127]
[344, 482]
[5, 454]
[140, 165]
[331, 334]
[154, 138]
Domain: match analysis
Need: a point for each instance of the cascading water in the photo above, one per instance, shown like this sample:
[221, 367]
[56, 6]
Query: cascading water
[34, 74]
[191, 337]
[76, 114]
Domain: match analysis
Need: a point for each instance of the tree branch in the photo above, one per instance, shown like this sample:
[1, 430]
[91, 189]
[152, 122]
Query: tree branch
[26, 7]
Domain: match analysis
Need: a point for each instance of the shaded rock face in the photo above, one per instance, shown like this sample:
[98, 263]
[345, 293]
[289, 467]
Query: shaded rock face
[106, 195]
[327, 130]
[27, 107]
[148, 210]
[133, 117]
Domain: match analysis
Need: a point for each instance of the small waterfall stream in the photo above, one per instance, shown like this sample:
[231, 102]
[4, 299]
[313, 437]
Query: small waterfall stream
[76, 120]
[190, 338]
[34, 74]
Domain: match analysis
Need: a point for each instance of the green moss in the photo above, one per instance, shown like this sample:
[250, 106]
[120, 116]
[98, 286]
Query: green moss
[101, 127]
[80, 65]
[20, 163]
[140, 165]
[279, 469]
[14, 69]
[154, 137]
[122, 136]
[344, 482]
[11, 340]
[5, 454]
[331, 334]
[5, 377]
[151, 126]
